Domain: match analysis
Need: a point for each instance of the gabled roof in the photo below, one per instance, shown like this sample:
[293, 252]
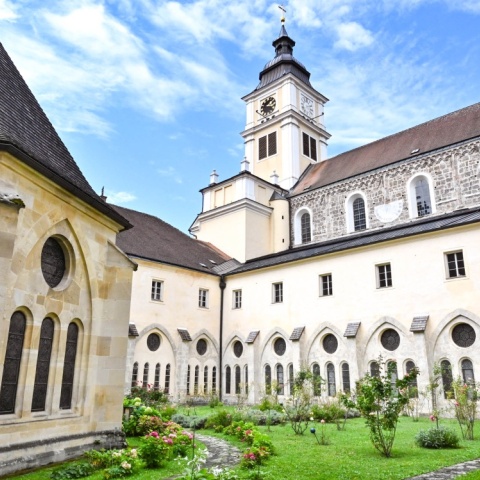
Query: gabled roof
[26, 133]
[441, 132]
[153, 239]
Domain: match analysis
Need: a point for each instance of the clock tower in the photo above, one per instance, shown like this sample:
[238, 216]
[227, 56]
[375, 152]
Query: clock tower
[284, 130]
[247, 215]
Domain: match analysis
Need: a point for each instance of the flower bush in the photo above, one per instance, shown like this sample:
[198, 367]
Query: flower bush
[254, 456]
[114, 463]
[155, 449]
[465, 406]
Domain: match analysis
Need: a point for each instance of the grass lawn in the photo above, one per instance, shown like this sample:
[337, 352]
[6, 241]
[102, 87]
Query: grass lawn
[349, 456]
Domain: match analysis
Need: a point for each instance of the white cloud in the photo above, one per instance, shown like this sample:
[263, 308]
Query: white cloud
[170, 172]
[7, 11]
[353, 36]
[119, 197]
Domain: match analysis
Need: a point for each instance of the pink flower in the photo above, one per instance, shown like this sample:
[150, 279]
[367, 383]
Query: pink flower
[433, 418]
[322, 421]
[154, 434]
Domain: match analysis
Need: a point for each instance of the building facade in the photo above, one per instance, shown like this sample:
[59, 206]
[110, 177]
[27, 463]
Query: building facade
[64, 294]
[334, 262]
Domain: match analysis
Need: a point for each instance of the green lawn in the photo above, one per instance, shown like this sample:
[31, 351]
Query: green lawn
[349, 456]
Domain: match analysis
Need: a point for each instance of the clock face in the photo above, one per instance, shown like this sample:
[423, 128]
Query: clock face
[306, 105]
[267, 106]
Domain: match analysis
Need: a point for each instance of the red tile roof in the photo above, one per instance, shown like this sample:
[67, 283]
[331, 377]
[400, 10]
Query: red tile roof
[441, 132]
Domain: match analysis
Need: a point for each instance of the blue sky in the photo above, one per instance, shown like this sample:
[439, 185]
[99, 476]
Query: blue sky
[146, 94]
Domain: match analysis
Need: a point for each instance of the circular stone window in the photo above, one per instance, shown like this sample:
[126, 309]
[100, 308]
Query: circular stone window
[153, 342]
[390, 339]
[53, 262]
[238, 349]
[202, 346]
[463, 335]
[280, 346]
[330, 343]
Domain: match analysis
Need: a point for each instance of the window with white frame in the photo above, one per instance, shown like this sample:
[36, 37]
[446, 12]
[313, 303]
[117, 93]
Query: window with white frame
[384, 275]
[326, 285]
[302, 226]
[203, 298]
[267, 145]
[455, 264]
[237, 299]
[309, 146]
[157, 291]
[277, 292]
[421, 196]
[356, 212]
[305, 227]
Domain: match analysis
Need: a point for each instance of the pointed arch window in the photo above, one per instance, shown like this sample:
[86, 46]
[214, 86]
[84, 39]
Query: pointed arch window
[135, 374]
[392, 368]
[228, 379]
[345, 377]
[205, 380]
[332, 388]
[188, 380]
[280, 380]
[195, 379]
[214, 380]
[246, 378]
[43, 365]
[13, 358]
[290, 378]
[69, 367]
[413, 385]
[146, 368]
[374, 369]
[447, 378]
[167, 379]
[268, 379]
[305, 227]
[237, 379]
[156, 382]
[467, 372]
[316, 379]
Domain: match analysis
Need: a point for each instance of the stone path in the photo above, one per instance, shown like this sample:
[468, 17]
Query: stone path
[454, 471]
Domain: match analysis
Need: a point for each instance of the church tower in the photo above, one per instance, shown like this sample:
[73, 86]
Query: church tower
[247, 216]
[284, 130]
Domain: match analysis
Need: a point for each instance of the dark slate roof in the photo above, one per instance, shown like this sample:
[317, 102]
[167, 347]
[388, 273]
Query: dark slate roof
[252, 336]
[26, 133]
[132, 330]
[352, 329]
[297, 333]
[416, 227]
[283, 63]
[441, 132]
[184, 335]
[419, 324]
[153, 239]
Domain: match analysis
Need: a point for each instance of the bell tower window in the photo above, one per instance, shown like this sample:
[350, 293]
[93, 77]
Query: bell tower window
[267, 145]
[309, 146]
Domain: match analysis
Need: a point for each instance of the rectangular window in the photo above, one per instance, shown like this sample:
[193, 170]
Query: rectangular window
[455, 264]
[157, 290]
[277, 292]
[237, 299]
[384, 275]
[203, 298]
[309, 146]
[326, 286]
[267, 145]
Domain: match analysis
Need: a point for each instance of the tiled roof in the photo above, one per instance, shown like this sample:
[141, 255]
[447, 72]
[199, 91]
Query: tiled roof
[153, 239]
[26, 133]
[252, 336]
[184, 335]
[132, 330]
[419, 324]
[352, 330]
[297, 333]
[423, 225]
[441, 132]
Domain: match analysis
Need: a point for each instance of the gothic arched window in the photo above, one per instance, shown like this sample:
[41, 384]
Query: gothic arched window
[228, 379]
[205, 380]
[43, 365]
[156, 382]
[447, 378]
[135, 374]
[11, 367]
[69, 366]
[345, 377]
[413, 385]
[306, 228]
[237, 379]
[332, 388]
[316, 379]
[268, 379]
[280, 380]
[146, 368]
[167, 379]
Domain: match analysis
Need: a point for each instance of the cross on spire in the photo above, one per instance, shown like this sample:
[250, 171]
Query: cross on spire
[284, 11]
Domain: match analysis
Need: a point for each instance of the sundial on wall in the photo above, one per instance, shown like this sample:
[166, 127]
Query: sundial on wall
[388, 212]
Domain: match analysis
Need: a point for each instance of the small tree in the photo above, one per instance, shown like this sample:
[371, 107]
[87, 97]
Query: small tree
[298, 408]
[381, 399]
[465, 405]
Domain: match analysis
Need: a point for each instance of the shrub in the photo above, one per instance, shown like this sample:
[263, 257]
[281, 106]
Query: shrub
[115, 463]
[155, 449]
[189, 421]
[269, 417]
[148, 423]
[254, 456]
[440, 437]
[221, 418]
[76, 470]
[330, 411]
[147, 396]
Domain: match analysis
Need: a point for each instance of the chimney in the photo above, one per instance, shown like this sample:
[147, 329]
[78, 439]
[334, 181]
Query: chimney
[213, 177]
